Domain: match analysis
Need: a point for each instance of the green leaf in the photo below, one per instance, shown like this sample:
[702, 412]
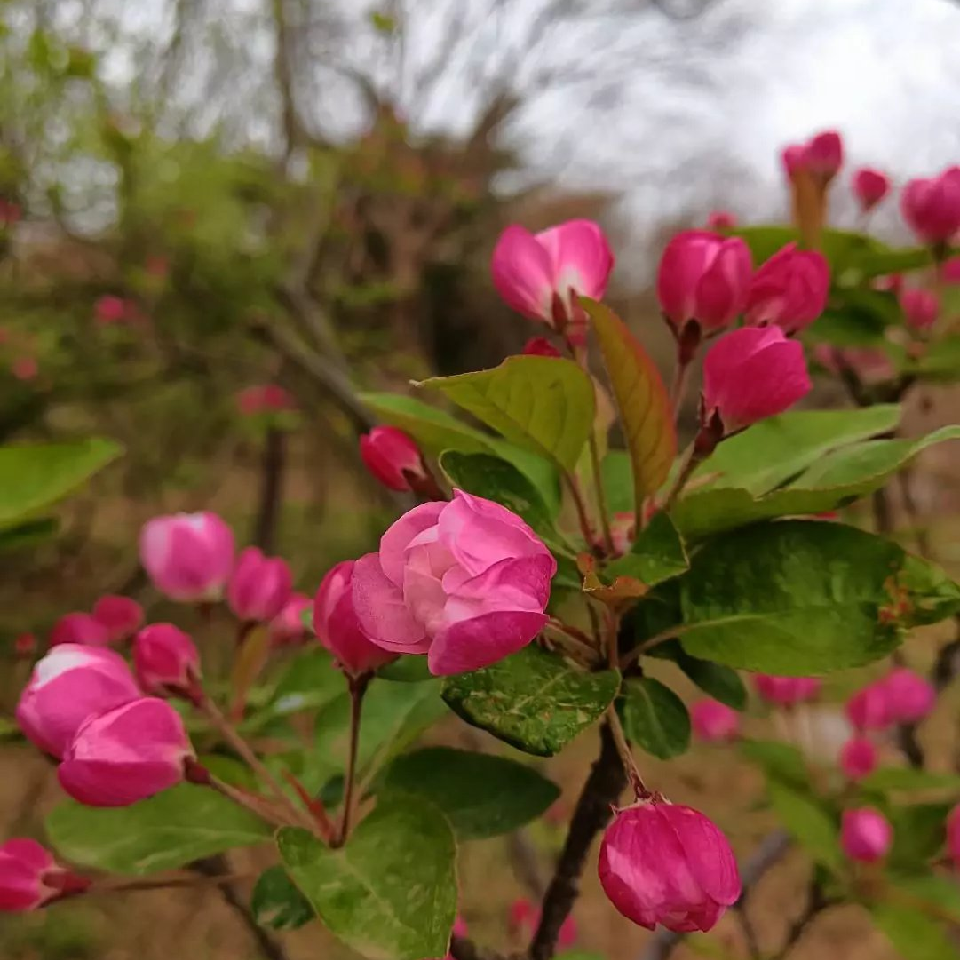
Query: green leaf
[645, 414]
[942, 893]
[541, 403]
[163, 832]
[940, 362]
[34, 477]
[310, 680]
[793, 598]
[913, 935]
[657, 554]
[811, 823]
[654, 718]
[495, 479]
[616, 475]
[532, 700]
[481, 795]
[28, 534]
[277, 903]
[779, 761]
[720, 682]
[391, 892]
[434, 430]
[919, 833]
[892, 779]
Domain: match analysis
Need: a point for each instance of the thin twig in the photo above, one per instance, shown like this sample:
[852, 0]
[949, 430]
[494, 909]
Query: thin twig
[579, 504]
[357, 689]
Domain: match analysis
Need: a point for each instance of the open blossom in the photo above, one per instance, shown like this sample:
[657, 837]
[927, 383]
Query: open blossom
[30, 877]
[127, 754]
[541, 275]
[464, 582]
[920, 308]
[714, 721]
[336, 625]
[289, 625]
[120, 616]
[790, 289]
[787, 691]
[865, 834]
[858, 758]
[166, 661]
[79, 628]
[68, 685]
[669, 865]
[188, 556]
[752, 373]
[704, 277]
[931, 206]
[392, 457]
[870, 187]
[259, 586]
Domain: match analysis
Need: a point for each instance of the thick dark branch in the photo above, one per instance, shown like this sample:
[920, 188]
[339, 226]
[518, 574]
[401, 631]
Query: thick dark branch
[601, 791]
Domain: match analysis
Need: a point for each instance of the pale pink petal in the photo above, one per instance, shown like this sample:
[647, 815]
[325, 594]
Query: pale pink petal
[522, 273]
[383, 615]
[398, 536]
[580, 258]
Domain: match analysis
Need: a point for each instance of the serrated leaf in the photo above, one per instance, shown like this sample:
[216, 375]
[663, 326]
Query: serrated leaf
[277, 903]
[391, 892]
[654, 718]
[541, 403]
[641, 399]
[532, 700]
[481, 795]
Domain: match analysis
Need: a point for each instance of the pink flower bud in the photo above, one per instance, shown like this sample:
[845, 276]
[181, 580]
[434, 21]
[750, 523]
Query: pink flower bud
[920, 308]
[790, 289]
[540, 347]
[910, 697]
[541, 275]
[525, 918]
[865, 834]
[392, 457]
[753, 373]
[667, 864]
[120, 616]
[787, 691]
[704, 277]
[869, 708]
[858, 758]
[166, 661]
[336, 625]
[79, 628]
[823, 154]
[953, 835]
[188, 556]
[870, 187]
[714, 721]
[25, 368]
[30, 877]
[259, 586]
[289, 627]
[127, 754]
[721, 220]
[950, 271]
[110, 310]
[931, 206]
[889, 281]
[69, 684]
[25, 646]
[792, 159]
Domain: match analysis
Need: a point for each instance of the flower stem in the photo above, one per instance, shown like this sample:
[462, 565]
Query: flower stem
[358, 687]
[626, 754]
[578, 501]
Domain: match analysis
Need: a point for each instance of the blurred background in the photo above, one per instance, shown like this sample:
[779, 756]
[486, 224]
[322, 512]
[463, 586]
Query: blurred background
[222, 219]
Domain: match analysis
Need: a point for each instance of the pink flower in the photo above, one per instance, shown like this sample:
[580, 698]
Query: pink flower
[189, 556]
[30, 877]
[259, 586]
[920, 308]
[336, 625]
[858, 758]
[714, 721]
[540, 347]
[790, 289]
[704, 277]
[791, 158]
[465, 582]
[787, 691]
[541, 275]
[392, 457]
[166, 662]
[120, 616]
[525, 918]
[721, 220]
[931, 206]
[821, 156]
[870, 187]
[127, 754]
[950, 271]
[25, 368]
[667, 864]
[79, 628]
[865, 834]
[288, 626]
[67, 685]
[108, 310]
[869, 708]
[953, 835]
[753, 373]
[910, 697]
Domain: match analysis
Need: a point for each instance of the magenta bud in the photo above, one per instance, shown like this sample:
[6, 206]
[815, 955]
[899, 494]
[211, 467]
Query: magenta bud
[120, 616]
[921, 308]
[704, 277]
[669, 865]
[910, 697]
[259, 587]
[752, 373]
[714, 721]
[787, 691]
[931, 206]
[166, 662]
[110, 309]
[721, 220]
[289, 626]
[870, 187]
[30, 877]
[540, 347]
[188, 556]
[823, 154]
[68, 685]
[790, 289]
[869, 708]
[865, 834]
[126, 754]
[858, 758]
[79, 628]
[392, 457]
